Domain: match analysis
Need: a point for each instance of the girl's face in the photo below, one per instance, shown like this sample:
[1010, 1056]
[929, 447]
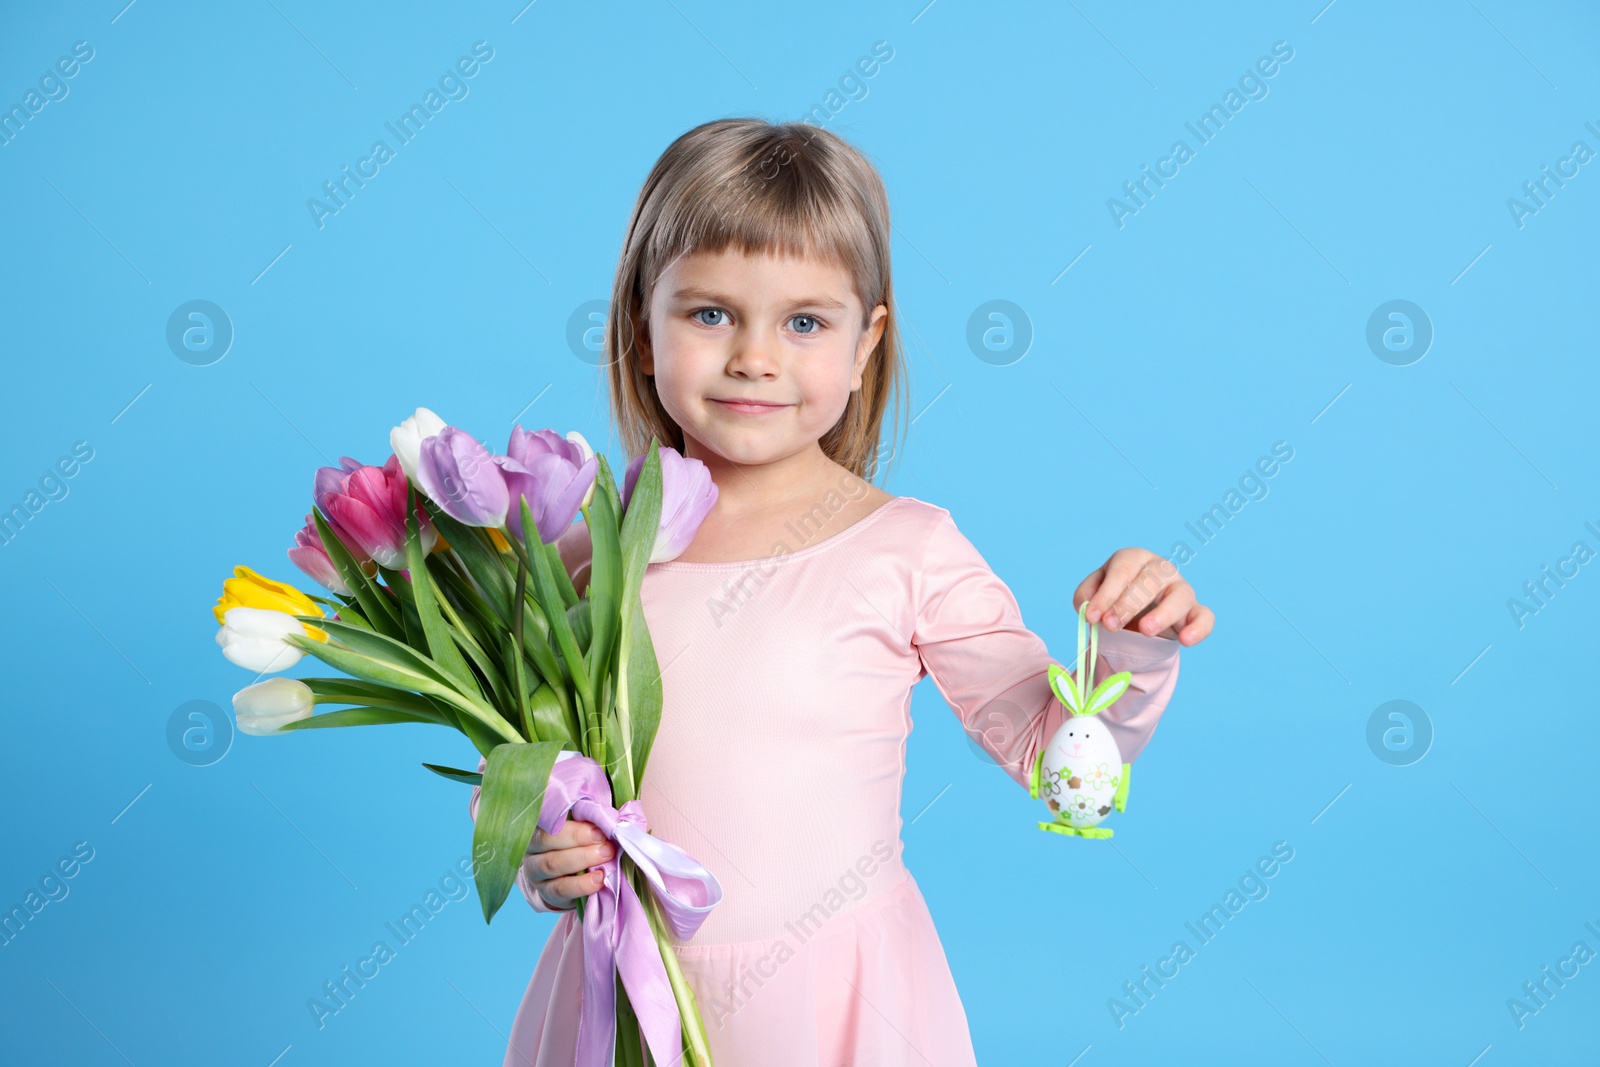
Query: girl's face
[786, 333]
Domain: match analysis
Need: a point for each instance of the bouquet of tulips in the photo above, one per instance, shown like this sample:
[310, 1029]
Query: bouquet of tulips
[451, 605]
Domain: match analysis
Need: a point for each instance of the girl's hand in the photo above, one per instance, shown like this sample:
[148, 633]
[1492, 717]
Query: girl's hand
[558, 864]
[1141, 591]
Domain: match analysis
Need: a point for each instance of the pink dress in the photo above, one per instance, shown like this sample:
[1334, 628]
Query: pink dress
[778, 765]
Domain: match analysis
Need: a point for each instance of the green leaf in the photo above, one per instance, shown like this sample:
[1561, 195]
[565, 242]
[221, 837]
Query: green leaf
[396, 582]
[605, 590]
[551, 721]
[380, 646]
[514, 781]
[537, 645]
[375, 606]
[364, 716]
[482, 561]
[463, 604]
[606, 483]
[415, 637]
[482, 737]
[569, 592]
[548, 597]
[475, 638]
[352, 691]
[468, 777]
[579, 618]
[440, 644]
[519, 674]
[342, 657]
[353, 616]
[481, 723]
[337, 605]
[617, 767]
[345, 607]
[643, 676]
[487, 672]
[640, 524]
[536, 624]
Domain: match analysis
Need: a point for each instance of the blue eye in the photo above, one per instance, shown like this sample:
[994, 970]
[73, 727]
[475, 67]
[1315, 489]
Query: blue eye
[714, 311]
[810, 318]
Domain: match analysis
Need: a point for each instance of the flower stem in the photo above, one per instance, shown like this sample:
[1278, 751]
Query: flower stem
[697, 1050]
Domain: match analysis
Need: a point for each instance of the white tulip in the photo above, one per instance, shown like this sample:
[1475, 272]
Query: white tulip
[406, 439]
[254, 638]
[266, 707]
[588, 453]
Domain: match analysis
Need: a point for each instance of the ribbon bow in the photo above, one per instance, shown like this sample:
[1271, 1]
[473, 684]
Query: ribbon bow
[616, 932]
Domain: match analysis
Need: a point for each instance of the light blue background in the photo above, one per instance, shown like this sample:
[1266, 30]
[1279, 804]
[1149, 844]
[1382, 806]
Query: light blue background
[1228, 314]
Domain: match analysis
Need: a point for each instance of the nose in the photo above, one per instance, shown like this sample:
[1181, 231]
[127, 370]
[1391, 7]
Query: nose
[754, 355]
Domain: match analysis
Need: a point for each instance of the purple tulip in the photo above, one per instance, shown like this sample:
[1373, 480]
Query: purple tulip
[687, 495]
[460, 476]
[553, 474]
[309, 555]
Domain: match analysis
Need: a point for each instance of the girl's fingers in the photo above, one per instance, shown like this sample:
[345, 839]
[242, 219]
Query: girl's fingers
[1173, 607]
[1149, 583]
[1118, 571]
[561, 892]
[1135, 580]
[1086, 589]
[1197, 626]
[558, 862]
[563, 867]
[575, 832]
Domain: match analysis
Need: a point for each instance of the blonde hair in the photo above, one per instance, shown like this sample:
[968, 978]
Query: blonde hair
[782, 189]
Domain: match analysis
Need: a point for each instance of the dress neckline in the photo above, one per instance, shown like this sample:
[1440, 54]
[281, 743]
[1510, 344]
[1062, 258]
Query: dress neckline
[799, 553]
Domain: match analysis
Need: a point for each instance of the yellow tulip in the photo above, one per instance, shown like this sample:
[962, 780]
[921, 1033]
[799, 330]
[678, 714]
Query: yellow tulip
[499, 540]
[247, 589]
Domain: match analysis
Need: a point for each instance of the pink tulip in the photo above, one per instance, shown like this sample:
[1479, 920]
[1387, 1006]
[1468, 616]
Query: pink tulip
[366, 506]
[309, 555]
[331, 480]
[687, 496]
[552, 474]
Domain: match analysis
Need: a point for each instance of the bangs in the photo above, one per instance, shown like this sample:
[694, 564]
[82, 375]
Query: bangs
[769, 197]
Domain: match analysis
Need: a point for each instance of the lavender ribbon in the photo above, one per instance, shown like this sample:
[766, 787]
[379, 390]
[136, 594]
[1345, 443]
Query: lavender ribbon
[616, 932]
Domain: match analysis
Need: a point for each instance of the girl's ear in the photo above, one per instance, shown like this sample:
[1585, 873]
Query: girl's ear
[641, 343]
[870, 337]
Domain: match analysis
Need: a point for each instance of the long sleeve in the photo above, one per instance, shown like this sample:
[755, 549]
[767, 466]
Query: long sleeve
[993, 671]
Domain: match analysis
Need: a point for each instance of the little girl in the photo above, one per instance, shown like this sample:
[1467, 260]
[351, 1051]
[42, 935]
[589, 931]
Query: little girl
[752, 328]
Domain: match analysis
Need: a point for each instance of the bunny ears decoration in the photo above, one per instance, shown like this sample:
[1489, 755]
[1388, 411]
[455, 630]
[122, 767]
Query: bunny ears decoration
[1072, 688]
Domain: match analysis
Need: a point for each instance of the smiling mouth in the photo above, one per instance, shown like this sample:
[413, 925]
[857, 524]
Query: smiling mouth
[748, 407]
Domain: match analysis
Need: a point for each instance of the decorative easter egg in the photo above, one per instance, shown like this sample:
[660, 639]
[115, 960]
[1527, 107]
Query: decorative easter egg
[1081, 771]
[1080, 775]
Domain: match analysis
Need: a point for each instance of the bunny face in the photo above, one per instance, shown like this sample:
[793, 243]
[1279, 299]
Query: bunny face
[1083, 757]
